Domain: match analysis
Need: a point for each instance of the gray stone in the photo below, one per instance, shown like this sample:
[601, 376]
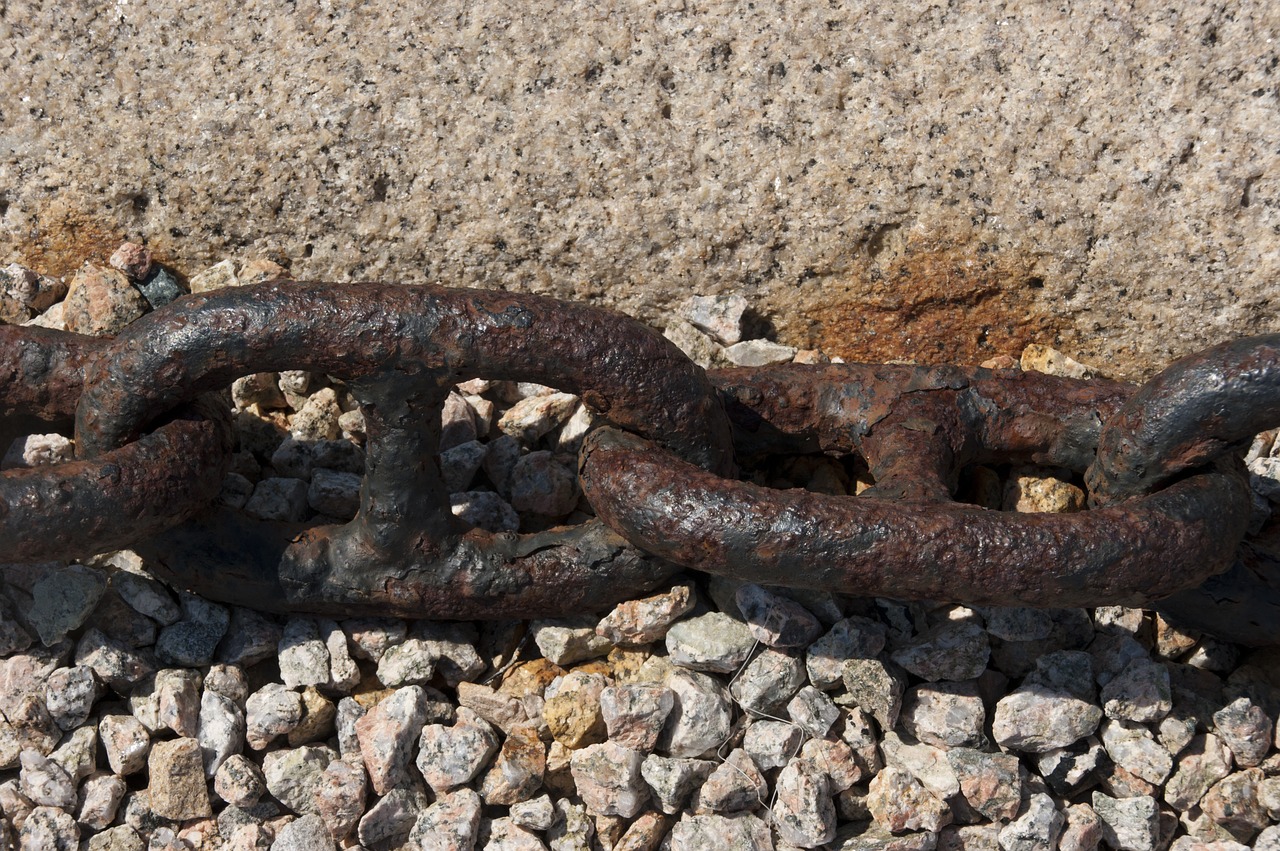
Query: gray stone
[697, 346]
[711, 642]
[1070, 769]
[672, 781]
[608, 779]
[70, 695]
[191, 641]
[956, 650]
[271, 711]
[221, 730]
[1245, 728]
[568, 640]
[239, 781]
[701, 717]
[146, 596]
[49, 829]
[1141, 692]
[926, 763]
[459, 465]
[282, 500]
[45, 782]
[294, 776]
[813, 711]
[449, 757]
[803, 812]
[877, 688]
[1205, 761]
[945, 714]
[1069, 671]
[718, 316]
[758, 353]
[1131, 824]
[117, 665]
[772, 744]
[1012, 623]
[308, 833]
[851, 638]
[1034, 719]
[1037, 829]
[704, 832]
[250, 638]
[78, 753]
[541, 484]
[303, 657]
[538, 814]
[484, 510]
[409, 663]
[334, 493]
[160, 289]
[768, 682]
[64, 599]
[990, 783]
[776, 620]
[449, 824]
[1133, 747]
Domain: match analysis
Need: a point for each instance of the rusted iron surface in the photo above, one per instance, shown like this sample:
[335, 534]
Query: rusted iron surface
[84, 507]
[153, 448]
[1198, 408]
[401, 349]
[1128, 554]
[917, 426]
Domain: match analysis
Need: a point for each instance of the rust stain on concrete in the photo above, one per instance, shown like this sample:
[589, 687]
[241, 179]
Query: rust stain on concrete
[64, 237]
[931, 303]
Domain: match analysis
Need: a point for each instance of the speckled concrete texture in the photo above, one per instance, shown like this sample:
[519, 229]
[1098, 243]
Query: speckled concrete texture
[883, 180]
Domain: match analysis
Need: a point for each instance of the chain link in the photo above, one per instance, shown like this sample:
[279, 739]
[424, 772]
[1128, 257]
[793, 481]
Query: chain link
[153, 446]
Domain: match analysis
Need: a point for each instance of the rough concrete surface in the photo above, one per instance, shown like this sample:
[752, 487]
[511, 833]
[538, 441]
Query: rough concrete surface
[884, 180]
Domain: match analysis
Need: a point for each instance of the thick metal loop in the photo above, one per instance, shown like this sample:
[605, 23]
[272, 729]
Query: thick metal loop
[1197, 409]
[402, 348]
[84, 507]
[909, 549]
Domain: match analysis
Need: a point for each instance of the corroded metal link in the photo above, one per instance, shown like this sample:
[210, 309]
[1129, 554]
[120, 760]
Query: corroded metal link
[401, 349]
[916, 427]
[1197, 409]
[1128, 554]
[84, 507]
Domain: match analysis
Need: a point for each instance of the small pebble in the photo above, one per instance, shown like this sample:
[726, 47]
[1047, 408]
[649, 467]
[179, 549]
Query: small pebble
[775, 620]
[711, 642]
[1246, 729]
[295, 775]
[449, 757]
[239, 781]
[772, 744]
[452, 823]
[803, 812]
[647, 619]
[768, 682]
[565, 641]
[851, 638]
[700, 718]
[177, 787]
[101, 302]
[635, 714]
[191, 641]
[608, 779]
[1037, 828]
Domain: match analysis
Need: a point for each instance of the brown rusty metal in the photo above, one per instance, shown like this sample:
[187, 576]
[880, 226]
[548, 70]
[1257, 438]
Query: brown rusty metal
[401, 349]
[917, 427]
[1202, 407]
[84, 507]
[1197, 409]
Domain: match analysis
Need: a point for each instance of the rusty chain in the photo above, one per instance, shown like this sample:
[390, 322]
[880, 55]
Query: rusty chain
[1170, 504]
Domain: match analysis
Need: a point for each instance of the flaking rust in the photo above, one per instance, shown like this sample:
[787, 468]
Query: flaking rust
[153, 448]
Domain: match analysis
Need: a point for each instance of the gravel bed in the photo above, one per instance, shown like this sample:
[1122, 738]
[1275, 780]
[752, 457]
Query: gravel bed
[711, 714]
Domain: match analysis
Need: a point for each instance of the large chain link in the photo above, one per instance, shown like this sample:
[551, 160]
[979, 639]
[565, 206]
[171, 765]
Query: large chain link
[1171, 504]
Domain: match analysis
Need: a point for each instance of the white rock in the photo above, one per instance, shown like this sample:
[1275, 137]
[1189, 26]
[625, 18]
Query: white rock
[221, 730]
[759, 353]
[303, 657]
[608, 779]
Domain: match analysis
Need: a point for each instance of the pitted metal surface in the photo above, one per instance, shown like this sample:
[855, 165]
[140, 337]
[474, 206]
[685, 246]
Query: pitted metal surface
[153, 445]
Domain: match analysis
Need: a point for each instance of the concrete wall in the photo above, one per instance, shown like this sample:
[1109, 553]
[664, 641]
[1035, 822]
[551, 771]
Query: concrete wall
[885, 180]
